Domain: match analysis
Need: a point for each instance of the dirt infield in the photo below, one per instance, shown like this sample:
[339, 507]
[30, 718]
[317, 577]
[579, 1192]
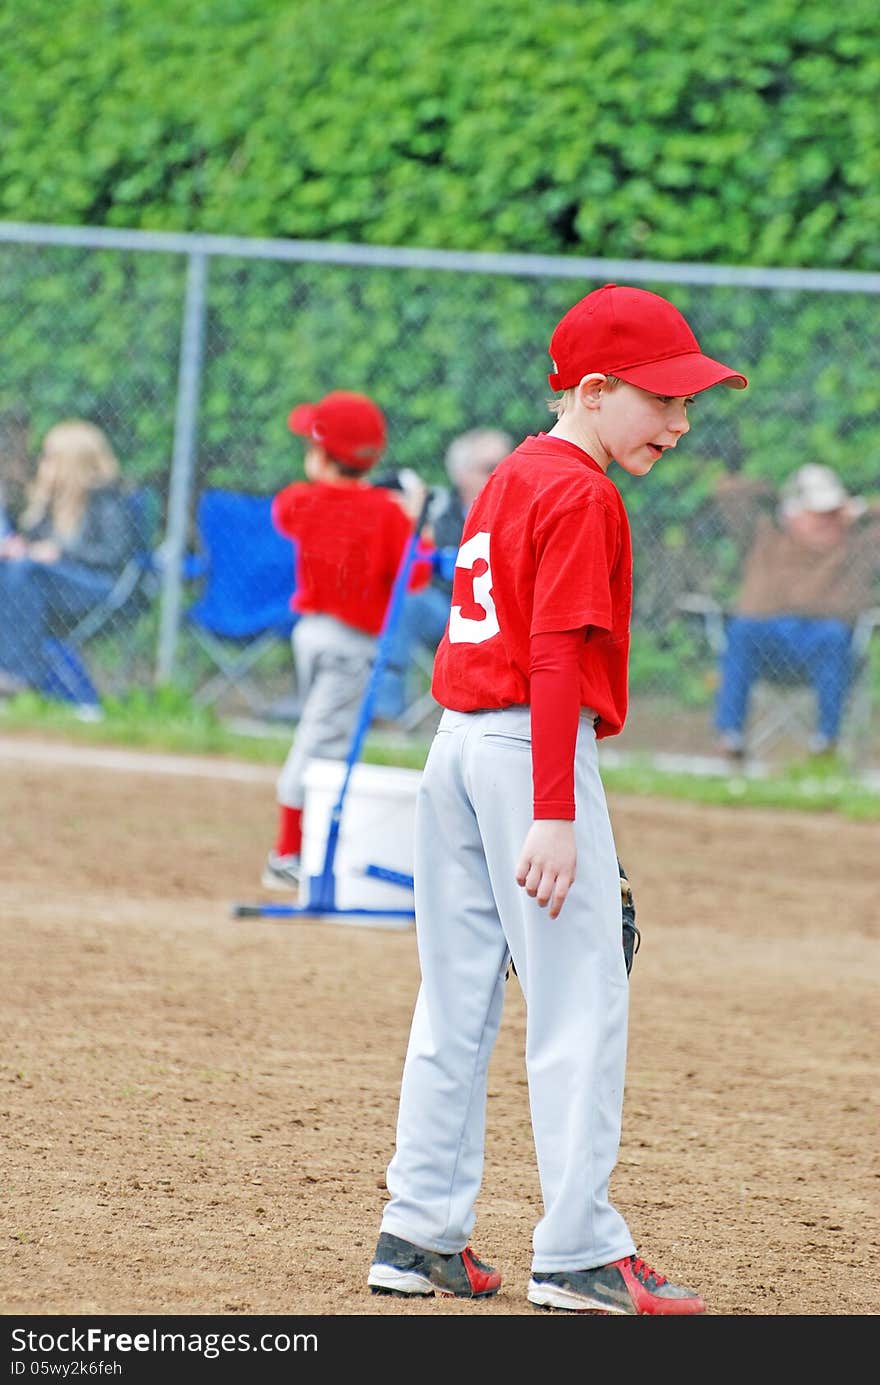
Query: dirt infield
[198, 1110]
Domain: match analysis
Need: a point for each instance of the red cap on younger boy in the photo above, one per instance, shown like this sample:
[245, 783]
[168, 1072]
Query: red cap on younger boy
[350, 427]
[637, 336]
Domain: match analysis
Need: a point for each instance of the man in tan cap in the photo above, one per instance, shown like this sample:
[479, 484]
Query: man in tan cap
[808, 574]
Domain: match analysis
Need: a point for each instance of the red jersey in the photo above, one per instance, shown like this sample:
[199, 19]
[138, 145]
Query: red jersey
[349, 544]
[545, 547]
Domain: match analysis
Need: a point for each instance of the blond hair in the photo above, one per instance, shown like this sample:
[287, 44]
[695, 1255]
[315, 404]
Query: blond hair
[563, 402]
[76, 458]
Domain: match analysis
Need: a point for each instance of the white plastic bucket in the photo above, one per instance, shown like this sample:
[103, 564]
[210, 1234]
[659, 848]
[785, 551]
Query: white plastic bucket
[376, 829]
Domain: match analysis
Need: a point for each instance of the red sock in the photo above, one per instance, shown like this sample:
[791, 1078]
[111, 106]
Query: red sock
[290, 831]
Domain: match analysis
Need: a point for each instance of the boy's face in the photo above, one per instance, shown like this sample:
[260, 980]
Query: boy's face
[636, 427]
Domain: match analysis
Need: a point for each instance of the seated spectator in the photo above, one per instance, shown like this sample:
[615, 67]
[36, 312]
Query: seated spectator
[470, 460]
[809, 572]
[72, 539]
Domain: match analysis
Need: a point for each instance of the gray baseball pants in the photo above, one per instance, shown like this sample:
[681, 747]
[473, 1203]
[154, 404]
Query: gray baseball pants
[333, 662]
[473, 811]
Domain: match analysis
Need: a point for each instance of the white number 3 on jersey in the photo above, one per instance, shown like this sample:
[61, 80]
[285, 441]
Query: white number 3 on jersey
[473, 556]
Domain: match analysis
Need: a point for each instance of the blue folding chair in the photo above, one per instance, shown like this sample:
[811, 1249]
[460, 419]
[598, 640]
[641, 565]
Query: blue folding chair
[244, 607]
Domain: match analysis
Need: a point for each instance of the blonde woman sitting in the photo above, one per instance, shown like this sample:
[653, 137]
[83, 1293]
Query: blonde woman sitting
[74, 537]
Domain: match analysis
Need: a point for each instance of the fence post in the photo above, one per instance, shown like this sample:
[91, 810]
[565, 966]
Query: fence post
[192, 339]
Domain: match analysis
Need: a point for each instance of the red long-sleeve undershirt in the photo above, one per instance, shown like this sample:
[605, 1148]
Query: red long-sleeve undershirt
[554, 668]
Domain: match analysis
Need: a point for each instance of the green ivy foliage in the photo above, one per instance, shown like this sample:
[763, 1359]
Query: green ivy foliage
[726, 133]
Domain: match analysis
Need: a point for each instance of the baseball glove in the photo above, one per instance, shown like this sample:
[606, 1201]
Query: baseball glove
[632, 938]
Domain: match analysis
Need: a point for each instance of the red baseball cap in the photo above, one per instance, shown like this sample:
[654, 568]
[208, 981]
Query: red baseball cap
[637, 336]
[350, 427]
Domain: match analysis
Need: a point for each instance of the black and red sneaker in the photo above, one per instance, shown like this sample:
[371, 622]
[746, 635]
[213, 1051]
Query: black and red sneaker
[399, 1267]
[625, 1286]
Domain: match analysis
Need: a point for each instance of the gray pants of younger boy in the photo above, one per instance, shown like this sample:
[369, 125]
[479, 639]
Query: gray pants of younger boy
[333, 662]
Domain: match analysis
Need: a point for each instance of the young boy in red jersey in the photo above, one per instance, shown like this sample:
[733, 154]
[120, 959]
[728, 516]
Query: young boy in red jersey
[350, 538]
[515, 858]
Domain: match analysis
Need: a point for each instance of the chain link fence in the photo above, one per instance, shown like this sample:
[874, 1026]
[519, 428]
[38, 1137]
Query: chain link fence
[189, 352]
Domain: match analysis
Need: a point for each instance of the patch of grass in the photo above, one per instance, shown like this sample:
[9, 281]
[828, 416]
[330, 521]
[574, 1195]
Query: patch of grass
[163, 719]
[169, 720]
[815, 787]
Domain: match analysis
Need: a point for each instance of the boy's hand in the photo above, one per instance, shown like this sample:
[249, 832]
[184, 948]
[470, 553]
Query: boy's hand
[547, 863]
[414, 493]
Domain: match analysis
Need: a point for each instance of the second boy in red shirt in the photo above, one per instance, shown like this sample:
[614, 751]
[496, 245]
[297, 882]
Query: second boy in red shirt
[350, 539]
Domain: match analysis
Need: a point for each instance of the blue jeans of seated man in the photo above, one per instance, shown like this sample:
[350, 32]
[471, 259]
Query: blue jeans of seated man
[36, 599]
[818, 651]
[422, 620]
